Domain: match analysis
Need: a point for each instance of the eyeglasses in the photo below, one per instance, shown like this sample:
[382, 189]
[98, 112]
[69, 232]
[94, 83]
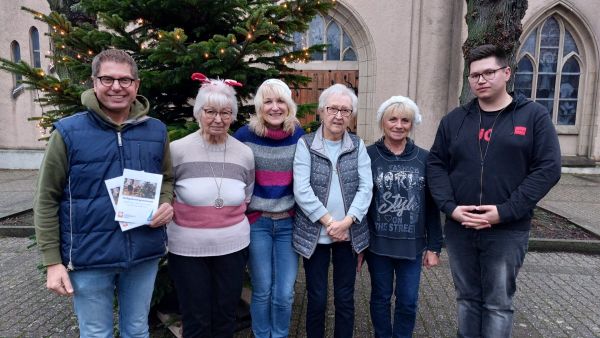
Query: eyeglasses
[108, 81]
[487, 75]
[345, 112]
[225, 115]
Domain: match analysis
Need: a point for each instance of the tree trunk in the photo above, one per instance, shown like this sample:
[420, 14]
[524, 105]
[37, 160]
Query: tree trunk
[495, 22]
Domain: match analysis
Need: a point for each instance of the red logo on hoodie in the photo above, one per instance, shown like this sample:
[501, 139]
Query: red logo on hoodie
[520, 130]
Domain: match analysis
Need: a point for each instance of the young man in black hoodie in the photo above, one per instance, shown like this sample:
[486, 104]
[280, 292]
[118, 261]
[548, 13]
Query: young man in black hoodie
[492, 161]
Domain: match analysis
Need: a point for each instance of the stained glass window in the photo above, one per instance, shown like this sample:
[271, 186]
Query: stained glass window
[325, 30]
[549, 70]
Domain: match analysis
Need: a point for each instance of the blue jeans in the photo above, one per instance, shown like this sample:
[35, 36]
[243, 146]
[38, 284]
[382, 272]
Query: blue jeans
[273, 267]
[484, 266]
[408, 276]
[95, 293]
[316, 269]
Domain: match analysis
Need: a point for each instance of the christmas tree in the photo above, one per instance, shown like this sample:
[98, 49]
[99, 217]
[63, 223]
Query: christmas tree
[244, 40]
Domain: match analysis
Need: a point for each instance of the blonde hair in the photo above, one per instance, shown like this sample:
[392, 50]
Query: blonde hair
[277, 89]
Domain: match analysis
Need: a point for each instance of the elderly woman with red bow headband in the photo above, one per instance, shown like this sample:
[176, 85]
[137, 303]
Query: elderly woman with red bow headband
[210, 233]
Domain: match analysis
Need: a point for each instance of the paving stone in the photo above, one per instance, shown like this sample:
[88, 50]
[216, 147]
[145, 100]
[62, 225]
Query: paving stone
[556, 296]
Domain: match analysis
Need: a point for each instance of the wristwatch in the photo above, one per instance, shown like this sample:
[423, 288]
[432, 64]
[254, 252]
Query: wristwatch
[354, 219]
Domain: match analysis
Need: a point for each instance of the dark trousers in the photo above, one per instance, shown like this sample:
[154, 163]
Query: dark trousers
[208, 289]
[485, 264]
[344, 274]
[407, 274]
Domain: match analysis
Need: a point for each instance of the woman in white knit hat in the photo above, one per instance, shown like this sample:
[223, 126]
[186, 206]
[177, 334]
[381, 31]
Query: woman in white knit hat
[404, 223]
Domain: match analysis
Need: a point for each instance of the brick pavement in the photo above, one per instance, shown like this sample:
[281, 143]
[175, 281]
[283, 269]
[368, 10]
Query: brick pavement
[557, 297]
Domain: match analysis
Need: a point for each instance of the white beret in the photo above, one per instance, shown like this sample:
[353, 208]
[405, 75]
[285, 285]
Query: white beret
[399, 99]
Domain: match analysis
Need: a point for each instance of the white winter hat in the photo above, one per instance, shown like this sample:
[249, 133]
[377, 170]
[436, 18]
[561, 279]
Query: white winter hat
[410, 104]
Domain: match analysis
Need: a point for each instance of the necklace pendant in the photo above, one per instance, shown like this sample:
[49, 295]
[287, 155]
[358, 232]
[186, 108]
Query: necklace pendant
[218, 203]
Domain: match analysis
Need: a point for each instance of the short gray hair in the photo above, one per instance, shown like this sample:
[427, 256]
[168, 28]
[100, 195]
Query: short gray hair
[338, 89]
[116, 56]
[218, 93]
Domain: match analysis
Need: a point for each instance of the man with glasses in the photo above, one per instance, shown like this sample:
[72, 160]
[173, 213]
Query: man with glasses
[492, 161]
[86, 253]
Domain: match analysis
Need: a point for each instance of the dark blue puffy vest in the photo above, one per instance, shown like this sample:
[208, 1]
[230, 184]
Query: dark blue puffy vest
[96, 151]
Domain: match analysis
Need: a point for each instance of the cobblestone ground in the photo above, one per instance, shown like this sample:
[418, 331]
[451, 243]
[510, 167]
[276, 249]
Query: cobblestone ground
[557, 297]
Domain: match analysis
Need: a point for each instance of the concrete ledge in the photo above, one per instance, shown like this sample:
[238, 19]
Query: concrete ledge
[16, 231]
[21, 158]
[565, 245]
[582, 171]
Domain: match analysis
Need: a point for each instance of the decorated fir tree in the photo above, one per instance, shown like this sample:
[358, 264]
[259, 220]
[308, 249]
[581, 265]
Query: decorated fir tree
[245, 40]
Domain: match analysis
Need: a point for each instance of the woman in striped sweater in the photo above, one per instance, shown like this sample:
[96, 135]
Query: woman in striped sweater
[210, 233]
[272, 135]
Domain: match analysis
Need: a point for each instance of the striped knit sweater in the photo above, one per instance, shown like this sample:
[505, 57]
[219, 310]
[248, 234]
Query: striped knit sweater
[198, 228]
[274, 159]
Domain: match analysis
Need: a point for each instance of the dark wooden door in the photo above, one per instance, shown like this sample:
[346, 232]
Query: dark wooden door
[321, 79]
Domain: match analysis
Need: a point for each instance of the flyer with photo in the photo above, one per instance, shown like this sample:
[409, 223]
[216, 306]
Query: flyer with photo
[139, 192]
[114, 188]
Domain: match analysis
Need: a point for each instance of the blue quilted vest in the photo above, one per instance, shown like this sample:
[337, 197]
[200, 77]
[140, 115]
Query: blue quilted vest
[306, 233]
[89, 235]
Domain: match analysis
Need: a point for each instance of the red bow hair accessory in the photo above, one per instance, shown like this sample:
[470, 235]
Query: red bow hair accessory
[233, 83]
[202, 78]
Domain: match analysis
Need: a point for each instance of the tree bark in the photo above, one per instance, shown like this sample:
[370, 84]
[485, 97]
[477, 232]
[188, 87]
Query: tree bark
[495, 22]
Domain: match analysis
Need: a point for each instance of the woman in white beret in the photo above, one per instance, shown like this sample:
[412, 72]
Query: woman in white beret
[404, 223]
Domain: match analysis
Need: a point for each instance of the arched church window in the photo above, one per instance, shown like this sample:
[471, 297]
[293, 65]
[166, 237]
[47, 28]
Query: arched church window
[15, 55]
[325, 30]
[549, 70]
[34, 40]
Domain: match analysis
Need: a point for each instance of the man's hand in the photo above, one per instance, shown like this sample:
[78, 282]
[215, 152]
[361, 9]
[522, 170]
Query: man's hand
[57, 280]
[430, 259]
[489, 213]
[468, 215]
[162, 216]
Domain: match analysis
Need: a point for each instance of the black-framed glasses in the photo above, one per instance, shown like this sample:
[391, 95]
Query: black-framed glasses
[487, 75]
[108, 81]
[345, 112]
[225, 114]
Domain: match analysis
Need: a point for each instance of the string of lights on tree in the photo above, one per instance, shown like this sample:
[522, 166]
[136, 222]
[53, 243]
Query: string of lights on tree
[254, 45]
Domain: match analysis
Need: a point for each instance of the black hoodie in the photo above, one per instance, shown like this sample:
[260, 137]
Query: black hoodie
[522, 162]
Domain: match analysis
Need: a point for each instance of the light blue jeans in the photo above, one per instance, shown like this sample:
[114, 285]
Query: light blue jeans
[273, 267]
[94, 298]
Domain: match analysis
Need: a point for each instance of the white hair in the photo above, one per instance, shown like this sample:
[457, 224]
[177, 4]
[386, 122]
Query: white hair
[217, 93]
[338, 89]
